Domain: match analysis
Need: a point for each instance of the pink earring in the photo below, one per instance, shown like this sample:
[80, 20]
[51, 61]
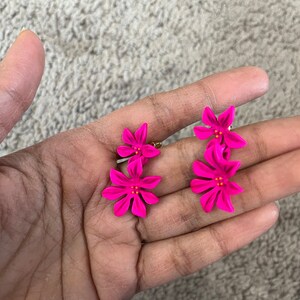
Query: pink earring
[133, 189]
[214, 179]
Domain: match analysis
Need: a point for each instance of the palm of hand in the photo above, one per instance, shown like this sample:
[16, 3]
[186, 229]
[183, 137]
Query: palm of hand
[59, 231]
[60, 239]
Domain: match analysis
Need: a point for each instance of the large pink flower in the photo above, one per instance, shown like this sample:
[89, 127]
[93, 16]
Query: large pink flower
[137, 147]
[214, 180]
[130, 188]
[219, 128]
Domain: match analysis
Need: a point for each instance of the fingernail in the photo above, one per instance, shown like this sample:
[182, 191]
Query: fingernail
[23, 29]
[274, 213]
[20, 32]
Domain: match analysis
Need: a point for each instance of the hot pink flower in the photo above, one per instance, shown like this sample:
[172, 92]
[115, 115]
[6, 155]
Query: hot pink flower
[219, 128]
[214, 180]
[137, 145]
[130, 188]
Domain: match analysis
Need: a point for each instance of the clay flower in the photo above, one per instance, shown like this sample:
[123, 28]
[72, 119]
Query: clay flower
[137, 145]
[219, 128]
[131, 189]
[214, 180]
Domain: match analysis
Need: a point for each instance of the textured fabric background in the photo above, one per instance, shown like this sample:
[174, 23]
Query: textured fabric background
[103, 54]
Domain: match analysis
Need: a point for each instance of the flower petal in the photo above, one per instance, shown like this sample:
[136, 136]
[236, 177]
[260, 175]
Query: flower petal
[233, 140]
[203, 133]
[150, 151]
[118, 178]
[209, 199]
[231, 167]
[125, 151]
[149, 197]
[233, 188]
[138, 207]
[225, 150]
[200, 185]
[209, 118]
[141, 134]
[135, 168]
[226, 118]
[150, 182]
[222, 147]
[128, 137]
[113, 192]
[143, 159]
[202, 170]
[223, 202]
[214, 155]
[226, 153]
[121, 207]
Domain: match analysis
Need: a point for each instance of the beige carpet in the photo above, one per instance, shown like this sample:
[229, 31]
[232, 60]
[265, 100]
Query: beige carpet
[103, 54]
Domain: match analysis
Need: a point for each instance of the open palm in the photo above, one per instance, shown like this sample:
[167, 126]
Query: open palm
[60, 239]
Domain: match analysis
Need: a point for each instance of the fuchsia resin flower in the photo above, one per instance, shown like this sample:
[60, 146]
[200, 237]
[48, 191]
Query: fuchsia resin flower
[219, 128]
[130, 188]
[137, 145]
[214, 180]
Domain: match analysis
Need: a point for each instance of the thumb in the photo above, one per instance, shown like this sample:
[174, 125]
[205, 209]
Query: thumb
[20, 74]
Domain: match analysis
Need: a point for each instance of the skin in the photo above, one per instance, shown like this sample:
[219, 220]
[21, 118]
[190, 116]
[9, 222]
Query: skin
[60, 239]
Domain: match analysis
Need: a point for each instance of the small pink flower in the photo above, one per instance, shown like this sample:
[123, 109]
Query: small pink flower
[214, 180]
[137, 145]
[219, 128]
[133, 187]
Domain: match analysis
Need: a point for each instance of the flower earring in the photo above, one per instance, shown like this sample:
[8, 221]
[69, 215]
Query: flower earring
[219, 128]
[136, 145]
[214, 179]
[133, 189]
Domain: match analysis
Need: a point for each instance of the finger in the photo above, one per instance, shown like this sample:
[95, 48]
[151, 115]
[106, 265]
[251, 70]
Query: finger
[170, 111]
[20, 74]
[265, 140]
[166, 260]
[181, 212]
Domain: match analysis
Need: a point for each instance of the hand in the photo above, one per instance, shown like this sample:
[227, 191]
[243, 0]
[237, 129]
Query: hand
[60, 239]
